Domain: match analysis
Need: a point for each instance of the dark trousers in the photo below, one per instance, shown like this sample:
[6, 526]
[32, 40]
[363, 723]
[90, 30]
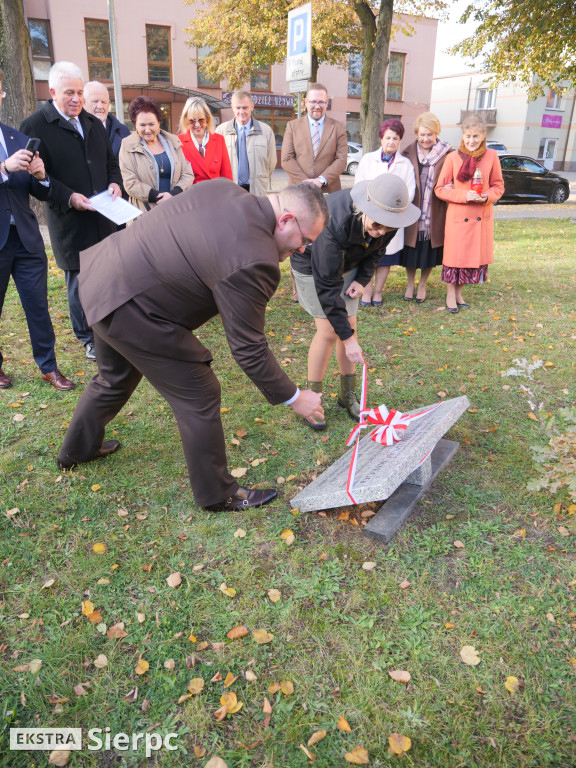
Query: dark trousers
[190, 388]
[80, 326]
[30, 274]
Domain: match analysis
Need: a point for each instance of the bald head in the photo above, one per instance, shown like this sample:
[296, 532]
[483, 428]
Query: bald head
[97, 99]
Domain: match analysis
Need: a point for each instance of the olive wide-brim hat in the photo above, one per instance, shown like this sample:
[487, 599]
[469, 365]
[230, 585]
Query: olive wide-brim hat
[385, 200]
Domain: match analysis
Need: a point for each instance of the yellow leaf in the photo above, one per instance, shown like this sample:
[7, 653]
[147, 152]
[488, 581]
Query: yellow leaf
[240, 533]
[216, 678]
[250, 676]
[533, 416]
[35, 665]
[273, 688]
[236, 708]
[87, 608]
[103, 581]
[95, 617]
[227, 590]
[449, 625]
[239, 472]
[96, 487]
[174, 580]
[184, 698]
[142, 667]
[469, 655]
[342, 725]
[520, 533]
[286, 533]
[512, 684]
[398, 743]
[228, 699]
[261, 636]
[287, 687]
[274, 595]
[99, 548]
[199, 751]
[59, 757]
[358, 756]
[192, 638]
[195, 685]
[237, 632]
[316, 737]
[230, 678]
[399, 675]
[571, 509]
[307, 752]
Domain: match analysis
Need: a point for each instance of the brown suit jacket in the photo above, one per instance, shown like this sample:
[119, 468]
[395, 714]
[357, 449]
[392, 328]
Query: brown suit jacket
[298, 158]
[207, 251]
[437, 207]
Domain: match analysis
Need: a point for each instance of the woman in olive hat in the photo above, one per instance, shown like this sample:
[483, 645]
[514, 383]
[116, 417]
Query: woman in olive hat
[332, 273]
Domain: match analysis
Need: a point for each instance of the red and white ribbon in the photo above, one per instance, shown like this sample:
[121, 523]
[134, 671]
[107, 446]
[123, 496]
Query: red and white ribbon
[390, 428]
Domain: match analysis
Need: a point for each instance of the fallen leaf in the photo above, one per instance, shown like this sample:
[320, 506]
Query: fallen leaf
[199, 751]
[404, 584]
[563, 531]
[79, 690]
[236, 708]
[141, 617]
[192, 639]
[267, 707]
[239, 472]
[23, 615]
[240, 533]
[399, 675]
[59, 757]
[18, 417]
[87, 608]
[221, 713]
[273, 688]
[261, 636]
[237, 632]
[117, 630]
[449, 625]
[512, 684]
[95, 617]
[229, 700]
[174, 580]
[286, 533]
[230, 591]
[99, 548]
[47, 584]
[342, 725]
[274, 595]
[469, 655]
[184, 698]
[35, 666]
[520, 533]
[533, 416]
[307, 752]
[287, 687]
[550, 617]
[368, 566]
[230, 678]
[458, 544]
[142, 667]
[216, 762]
[101, 582]
[195, 685]
[358, 756]
[100, 661]
[132, 695]
[398, 743]
[316, 737]
[250, 676]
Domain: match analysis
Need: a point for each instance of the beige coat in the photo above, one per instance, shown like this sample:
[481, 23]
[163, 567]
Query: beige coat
[298, 156]
[140, 170]
[261, 151]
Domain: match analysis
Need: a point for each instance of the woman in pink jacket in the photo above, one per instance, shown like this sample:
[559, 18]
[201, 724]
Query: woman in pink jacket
[469, 234]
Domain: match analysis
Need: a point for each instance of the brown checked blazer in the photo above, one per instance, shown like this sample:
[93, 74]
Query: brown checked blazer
[298, 158]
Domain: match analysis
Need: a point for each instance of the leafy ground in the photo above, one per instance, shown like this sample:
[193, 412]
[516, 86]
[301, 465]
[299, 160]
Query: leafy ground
[338, 629]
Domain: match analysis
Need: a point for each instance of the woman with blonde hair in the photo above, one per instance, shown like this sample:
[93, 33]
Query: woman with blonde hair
[204, 149]
[151, 160]
[469, 238]
[424, 240]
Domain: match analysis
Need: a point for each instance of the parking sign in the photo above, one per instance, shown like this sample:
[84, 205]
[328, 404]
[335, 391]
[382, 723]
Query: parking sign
[299, 54]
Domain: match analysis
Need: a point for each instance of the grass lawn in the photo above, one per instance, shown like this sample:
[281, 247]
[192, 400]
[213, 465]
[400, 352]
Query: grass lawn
[338, 629]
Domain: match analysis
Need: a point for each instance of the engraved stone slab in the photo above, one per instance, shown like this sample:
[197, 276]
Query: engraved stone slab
[381, 469]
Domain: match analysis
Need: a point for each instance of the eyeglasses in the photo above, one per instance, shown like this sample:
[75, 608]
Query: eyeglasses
[200, 121]
[316, 103]
[305, 240]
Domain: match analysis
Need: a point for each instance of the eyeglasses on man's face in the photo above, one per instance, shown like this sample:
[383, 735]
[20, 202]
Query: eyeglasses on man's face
[316, 103]
[305, 240]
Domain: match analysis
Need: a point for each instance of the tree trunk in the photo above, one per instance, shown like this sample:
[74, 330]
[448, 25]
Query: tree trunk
[374, 66]
[315, 64]
[20, 101]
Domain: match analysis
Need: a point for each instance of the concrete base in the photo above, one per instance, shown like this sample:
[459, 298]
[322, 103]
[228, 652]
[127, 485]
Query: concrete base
[398, 507]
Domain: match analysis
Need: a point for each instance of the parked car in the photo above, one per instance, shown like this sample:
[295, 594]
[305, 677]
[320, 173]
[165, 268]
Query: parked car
[498, 146]
[527, 180]
[354, 157]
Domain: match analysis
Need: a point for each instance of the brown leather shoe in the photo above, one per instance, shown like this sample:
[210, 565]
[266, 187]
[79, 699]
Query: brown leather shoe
[58, 380]
[5, 382]
[108, 447]
[243, 498]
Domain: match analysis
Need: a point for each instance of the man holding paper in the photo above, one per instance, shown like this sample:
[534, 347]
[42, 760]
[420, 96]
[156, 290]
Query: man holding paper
[80, 162]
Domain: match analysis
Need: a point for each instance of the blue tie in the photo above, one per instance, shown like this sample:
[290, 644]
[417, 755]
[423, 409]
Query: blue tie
[243, 168]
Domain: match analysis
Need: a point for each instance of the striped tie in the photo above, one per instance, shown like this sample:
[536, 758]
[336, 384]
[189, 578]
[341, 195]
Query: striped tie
[315, 139]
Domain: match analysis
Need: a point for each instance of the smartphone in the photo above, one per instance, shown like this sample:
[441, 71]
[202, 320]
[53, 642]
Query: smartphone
[33, 145]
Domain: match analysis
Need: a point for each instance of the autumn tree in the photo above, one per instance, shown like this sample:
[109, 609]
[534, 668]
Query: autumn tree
[244, 36]
[532, 42]
[15, 61]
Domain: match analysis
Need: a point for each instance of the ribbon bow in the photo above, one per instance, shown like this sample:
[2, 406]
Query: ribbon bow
[390, 428]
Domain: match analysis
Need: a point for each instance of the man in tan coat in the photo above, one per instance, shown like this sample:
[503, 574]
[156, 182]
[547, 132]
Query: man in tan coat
[251, 146]
[315, 147]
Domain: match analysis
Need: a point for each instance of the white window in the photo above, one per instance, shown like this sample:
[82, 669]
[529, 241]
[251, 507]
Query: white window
[554, 100]
[485, 99]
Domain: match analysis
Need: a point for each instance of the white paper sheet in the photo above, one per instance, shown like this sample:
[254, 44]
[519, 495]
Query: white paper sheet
[119, 210]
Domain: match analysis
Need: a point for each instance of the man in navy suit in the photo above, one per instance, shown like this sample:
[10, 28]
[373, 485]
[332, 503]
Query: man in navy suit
[22, 253]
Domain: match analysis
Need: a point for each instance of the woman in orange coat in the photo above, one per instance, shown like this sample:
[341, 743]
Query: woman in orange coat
[469, 234]
[205, 150]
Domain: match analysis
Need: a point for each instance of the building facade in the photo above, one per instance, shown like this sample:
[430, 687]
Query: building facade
[543, 128]
[156, 60]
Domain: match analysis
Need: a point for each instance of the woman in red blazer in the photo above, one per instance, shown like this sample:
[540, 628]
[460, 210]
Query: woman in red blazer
[205, 150]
